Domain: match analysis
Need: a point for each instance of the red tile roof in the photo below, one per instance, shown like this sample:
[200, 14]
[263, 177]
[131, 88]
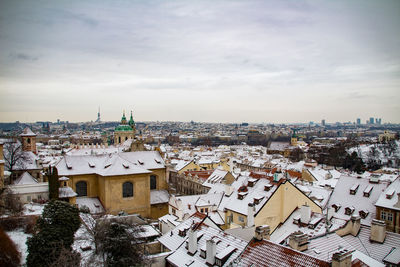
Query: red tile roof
[267, 253]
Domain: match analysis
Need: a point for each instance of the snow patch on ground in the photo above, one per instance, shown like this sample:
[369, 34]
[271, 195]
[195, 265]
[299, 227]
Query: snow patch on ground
[19, 238]
[33, 209]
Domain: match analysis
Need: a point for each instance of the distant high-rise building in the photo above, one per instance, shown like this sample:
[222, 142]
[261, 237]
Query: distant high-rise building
[371, 120]
[358, 121]
[323, 122]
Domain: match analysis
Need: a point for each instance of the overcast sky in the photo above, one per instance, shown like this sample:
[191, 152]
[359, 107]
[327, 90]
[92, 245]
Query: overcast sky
[215, 61]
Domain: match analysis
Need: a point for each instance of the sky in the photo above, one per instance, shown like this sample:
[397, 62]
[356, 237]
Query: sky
[207, 61]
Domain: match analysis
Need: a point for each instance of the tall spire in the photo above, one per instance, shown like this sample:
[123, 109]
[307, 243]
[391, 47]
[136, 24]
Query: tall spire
[131, 121]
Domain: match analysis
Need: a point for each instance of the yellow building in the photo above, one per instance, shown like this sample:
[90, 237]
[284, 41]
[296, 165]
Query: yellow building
[127, 182]
[262, 202]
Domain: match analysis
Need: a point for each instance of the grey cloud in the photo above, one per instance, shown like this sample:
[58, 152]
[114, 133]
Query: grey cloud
[23, 56]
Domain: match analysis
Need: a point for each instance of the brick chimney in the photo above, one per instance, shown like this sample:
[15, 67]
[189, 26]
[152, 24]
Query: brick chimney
[298, 241]
[341, 258]
[211, 250]
[192, 241]
[378, 231]
[262, 232]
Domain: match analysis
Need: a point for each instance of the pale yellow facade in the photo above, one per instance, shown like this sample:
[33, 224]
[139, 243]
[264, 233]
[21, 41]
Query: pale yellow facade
[109, 191]
[189, 167]
[276, 210]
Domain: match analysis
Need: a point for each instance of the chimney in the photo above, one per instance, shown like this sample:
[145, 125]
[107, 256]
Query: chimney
[228, 190]
[331, 212]
[262, 232]
[305, 214]
[356, 223]
[341, 258]
[250, 215]
[298, 241]
[211, 250]
[192, 246]
[378, 231]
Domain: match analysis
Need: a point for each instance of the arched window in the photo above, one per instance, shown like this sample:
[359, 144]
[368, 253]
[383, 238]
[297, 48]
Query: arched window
[29, 140]
[81, 188]
[127, 189]
[119, 140]
[153, 182]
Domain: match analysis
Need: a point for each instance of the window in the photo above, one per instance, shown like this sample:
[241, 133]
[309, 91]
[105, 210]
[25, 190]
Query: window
[127, 189]
[241, 218]
[126, 138]
[29, 140]
[119, 140]
[153, 182]
[386, 216]
[65, 183]
[81, 188]
[28, 198]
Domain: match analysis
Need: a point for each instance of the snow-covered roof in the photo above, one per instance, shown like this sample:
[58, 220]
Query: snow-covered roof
[30, 188]
[159, 196]
[25, 178]
[93, 203]
[66, 192]
[216, 177]
[228, 247]
[357, 202]
[109, 165]
[27, 132]
[377, 251]
[393, 191]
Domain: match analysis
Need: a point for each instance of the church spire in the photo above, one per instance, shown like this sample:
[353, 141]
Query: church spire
[131, 121]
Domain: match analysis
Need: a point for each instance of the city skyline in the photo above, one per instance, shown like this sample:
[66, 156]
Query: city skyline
[224, 61]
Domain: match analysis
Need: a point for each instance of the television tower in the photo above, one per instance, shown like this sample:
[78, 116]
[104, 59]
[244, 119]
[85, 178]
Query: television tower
[98, 116]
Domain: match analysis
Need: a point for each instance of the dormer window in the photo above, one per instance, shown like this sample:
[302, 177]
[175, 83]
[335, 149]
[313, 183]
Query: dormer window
[251, 182]
[367, 191]
[140, 162]
[336, 207]
[349, 210]
[91, 164]
[267, 187]
[390, 194]
[126, 166]
[353, 189]
[242, 195]
[363, 214]
[157, 161]
[257, 200]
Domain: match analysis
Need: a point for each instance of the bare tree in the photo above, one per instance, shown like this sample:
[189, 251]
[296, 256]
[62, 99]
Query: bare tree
[14, 156]
[9, 203]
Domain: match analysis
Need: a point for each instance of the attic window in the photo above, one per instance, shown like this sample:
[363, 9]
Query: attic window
[140, 162]
[69, 166]
[257, 200]
[390, 193]
[349, 210]
[91, 164]
[367, 191]
[336, 207]
[363, 213]
[251, 182]
[126, 166]
[267, 187]
[353, 189]
[107, 165]
[242, 195]
[158, 161]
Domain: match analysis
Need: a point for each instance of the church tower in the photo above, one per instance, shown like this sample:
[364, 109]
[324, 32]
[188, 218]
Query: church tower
[124, 131]
[28, 139]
